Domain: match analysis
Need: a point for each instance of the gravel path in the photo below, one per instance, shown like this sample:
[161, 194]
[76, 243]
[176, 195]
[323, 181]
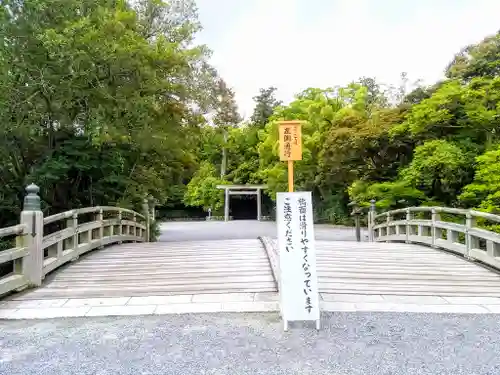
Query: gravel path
[234, 344]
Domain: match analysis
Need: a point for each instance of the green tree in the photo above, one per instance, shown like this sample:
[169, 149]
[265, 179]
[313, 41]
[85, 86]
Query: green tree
[388, 195]
[437, 172]
[99, 101]
[360, 147]
[439, 169]
[320, 110]
[376, 95]
[484, 191]
[463, 112]
[265, 104]
[479, 60]
[202, 190]
[227, 110]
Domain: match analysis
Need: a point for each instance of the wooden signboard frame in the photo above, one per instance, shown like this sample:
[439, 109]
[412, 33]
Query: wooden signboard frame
[290, 141]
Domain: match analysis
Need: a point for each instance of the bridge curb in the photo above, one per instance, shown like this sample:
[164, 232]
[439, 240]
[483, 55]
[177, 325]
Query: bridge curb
[273, 256]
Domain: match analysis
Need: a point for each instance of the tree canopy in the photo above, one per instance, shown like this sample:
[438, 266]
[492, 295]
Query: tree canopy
[100, 102]
[106, 102]
[431, 145]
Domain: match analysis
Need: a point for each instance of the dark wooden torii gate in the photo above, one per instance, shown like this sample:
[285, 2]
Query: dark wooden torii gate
[242, 190]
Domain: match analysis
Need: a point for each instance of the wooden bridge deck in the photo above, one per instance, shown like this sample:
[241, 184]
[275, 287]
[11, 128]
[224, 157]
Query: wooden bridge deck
[374, 268]
[161, 268]
[241, 266]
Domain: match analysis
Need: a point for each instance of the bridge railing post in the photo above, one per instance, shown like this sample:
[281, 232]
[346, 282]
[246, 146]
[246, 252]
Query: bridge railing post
[371, 221]
[471, 242]
[73, 223]
[100, 219]
[134, 219]
[356, 212]
[152, 209]
[120, 225]
[388, 219]
[435, 231]
[145, 209]
[408, 225]
[32, 218]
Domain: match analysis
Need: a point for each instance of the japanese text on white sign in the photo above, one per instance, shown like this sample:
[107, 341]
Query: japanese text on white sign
[299, 285]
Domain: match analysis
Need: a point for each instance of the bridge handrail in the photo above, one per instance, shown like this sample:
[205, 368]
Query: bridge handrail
[12, 230]
[459, 211]
[86, 210]
[466, 239]
[46, 243]
[13, 254]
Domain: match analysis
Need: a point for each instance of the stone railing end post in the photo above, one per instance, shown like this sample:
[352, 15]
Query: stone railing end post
[32, 199]
[32, 218]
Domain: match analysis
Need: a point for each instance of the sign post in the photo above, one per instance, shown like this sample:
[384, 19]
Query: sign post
[299, 296]
[290, 139]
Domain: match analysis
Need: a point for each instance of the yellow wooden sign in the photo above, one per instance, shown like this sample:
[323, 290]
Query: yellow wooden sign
[290, 138]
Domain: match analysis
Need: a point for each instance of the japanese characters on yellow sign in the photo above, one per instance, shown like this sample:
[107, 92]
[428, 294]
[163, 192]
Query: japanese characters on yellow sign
[290, 138]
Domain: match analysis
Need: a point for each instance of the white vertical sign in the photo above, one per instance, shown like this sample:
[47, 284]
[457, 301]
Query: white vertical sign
[297, 252]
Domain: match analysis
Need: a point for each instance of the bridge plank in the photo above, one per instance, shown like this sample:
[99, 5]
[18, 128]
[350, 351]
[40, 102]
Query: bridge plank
[400, 269]
[162, 268]
[240, 266]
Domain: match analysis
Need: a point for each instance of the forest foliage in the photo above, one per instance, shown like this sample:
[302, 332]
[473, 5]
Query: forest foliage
[404, 145]
[106, 102]
[101, 101]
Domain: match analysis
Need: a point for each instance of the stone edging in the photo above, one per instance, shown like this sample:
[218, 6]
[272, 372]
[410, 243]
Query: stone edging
[147, 305]
[235, 307]
[174, 308]
[272, 254]
[238, 303]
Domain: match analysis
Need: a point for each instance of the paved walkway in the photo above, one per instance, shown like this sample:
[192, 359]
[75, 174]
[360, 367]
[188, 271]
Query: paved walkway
[253, 343]
[243, 229]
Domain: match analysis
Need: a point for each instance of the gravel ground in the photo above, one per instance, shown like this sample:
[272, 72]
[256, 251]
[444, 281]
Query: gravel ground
[349, 343]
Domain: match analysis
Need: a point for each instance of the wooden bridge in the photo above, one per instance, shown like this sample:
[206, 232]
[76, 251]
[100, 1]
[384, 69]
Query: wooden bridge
[102, 255]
